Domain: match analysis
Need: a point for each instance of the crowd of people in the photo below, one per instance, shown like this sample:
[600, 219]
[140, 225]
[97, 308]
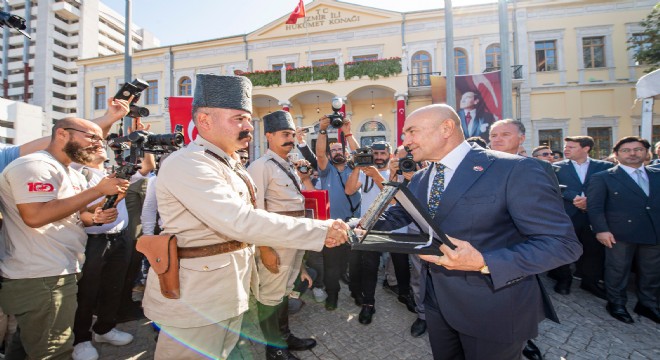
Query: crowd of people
[240, 229]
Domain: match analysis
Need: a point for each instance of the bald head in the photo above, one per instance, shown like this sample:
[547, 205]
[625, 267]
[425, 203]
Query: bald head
[432, 131]
[76, 123]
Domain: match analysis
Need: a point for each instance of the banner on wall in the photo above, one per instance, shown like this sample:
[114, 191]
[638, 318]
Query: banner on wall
[478, 100]
[180, 108]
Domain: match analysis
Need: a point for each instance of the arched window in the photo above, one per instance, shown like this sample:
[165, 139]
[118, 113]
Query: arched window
[372, 131]
[493, 56]
[421, 69]
[460, 62]
[185, 86]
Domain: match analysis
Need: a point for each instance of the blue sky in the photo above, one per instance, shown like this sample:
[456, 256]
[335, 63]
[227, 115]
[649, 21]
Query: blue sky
[176, 22]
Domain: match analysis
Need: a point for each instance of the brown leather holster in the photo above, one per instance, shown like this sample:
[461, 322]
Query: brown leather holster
[161, 251]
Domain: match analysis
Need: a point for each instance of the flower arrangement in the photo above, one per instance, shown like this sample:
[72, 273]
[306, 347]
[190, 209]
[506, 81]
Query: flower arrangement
[373, 68]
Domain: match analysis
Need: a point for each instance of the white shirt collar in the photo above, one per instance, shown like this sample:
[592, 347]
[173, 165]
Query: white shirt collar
[631, 170]
[454, 158]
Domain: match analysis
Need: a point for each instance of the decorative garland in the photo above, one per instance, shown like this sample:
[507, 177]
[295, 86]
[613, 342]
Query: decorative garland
[373, 68]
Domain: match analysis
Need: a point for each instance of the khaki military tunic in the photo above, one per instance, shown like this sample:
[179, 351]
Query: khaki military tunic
[204, 202]
[277, 192]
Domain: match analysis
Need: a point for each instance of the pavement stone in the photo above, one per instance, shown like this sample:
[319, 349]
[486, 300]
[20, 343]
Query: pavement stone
[586, 332]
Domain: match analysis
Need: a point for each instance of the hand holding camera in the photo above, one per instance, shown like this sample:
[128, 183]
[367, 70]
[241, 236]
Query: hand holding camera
[304, 168]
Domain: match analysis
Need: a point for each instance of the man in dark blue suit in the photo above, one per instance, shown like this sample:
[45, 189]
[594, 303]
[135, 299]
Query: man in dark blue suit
[624, 209]
[505, 217]
[574, 173]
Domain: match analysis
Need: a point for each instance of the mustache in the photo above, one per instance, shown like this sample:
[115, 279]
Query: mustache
[288, 143]
[245, 134]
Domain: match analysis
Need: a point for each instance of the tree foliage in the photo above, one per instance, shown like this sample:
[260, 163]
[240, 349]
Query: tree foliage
[647, 43]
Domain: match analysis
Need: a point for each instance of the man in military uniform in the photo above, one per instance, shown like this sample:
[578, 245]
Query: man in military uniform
[279, 182]
[206, 198]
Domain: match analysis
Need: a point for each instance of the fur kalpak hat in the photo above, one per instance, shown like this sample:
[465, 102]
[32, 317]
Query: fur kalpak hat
[278, 120]
[227, 92]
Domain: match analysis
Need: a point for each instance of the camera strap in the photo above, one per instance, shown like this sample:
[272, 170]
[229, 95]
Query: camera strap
[350, 202]
[240, 171]
[288, 173]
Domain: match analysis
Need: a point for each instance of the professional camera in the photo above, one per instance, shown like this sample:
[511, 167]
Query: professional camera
[134, 89]
[337, 117]
[407, 164]
[141, 142]
[13, 21]
[363, 157]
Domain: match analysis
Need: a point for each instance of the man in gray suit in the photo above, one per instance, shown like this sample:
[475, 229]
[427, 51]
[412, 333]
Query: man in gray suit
[503, 214]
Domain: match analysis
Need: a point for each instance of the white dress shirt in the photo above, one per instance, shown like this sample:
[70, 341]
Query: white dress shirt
[451, 162]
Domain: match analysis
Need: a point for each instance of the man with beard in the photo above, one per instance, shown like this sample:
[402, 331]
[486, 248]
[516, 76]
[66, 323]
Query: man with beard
[624, 210]
[207, 199]
[107, 256]
[344, 202]
[279, 182]
[44, 202]
[363, 265]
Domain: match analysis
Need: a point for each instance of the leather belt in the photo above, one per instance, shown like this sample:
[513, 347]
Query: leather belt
[210, 250]
[295, 213]
[111, 237]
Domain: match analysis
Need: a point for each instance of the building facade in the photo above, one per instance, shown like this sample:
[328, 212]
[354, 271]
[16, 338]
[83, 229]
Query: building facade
[573, 73]
[62, 31]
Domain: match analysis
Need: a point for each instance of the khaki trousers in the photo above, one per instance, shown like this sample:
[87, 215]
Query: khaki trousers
[213, 341]
[273, 287]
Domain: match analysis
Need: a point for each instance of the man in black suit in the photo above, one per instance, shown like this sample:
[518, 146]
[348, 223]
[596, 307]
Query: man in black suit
[624, 209]
[475, 119]
[574, 173]
[503, 214]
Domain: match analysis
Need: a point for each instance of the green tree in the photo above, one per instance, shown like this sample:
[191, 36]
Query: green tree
[647, 43]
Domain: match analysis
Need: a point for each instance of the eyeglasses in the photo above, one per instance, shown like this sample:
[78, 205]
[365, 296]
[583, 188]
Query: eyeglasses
[544, 154]
[90, 136]
[625, 151]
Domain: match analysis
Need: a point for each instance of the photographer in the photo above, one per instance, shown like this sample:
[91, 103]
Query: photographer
[333, 176]
[363, 265]
[107, 255]
[45, 206]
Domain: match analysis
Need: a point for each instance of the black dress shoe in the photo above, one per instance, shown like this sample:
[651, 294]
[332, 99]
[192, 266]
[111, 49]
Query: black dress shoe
[619, 312]
[366, 314]
[596, 289]
[331, 302]
[645, 311]
[418, 328]
[408, 301]
[273, 353]
[563, 288]
[531, 351]
[298, 344]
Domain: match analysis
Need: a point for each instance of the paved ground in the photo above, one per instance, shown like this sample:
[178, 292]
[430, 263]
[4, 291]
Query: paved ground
[586, 332]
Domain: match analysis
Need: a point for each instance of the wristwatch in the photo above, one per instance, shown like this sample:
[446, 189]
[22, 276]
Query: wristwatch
[323, 132]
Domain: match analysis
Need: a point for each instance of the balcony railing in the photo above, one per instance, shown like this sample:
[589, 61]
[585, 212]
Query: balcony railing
[421, 79]
[373, 69]
[516, 70]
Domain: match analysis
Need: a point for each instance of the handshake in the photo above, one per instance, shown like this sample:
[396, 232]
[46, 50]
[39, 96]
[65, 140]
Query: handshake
[338, 233]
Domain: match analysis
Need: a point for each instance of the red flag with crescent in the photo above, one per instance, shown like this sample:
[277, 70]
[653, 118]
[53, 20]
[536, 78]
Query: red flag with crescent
[298, 12]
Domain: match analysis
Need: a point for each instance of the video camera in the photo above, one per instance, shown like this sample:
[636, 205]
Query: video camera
[134, 89]
[141, 142]
[13, 21]
[337, 117]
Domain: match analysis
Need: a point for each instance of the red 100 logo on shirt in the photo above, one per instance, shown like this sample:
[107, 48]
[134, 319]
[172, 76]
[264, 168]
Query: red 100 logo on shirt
[40, 187]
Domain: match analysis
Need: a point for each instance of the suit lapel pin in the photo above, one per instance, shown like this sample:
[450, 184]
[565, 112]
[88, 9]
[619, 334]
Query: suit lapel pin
[478, 168]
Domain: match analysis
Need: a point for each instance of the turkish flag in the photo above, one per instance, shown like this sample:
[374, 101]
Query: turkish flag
[181, 114]
[298, 12]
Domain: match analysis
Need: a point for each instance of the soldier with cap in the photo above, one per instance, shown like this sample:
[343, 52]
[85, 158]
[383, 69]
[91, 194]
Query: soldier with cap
[207, 199]
[279, 181]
